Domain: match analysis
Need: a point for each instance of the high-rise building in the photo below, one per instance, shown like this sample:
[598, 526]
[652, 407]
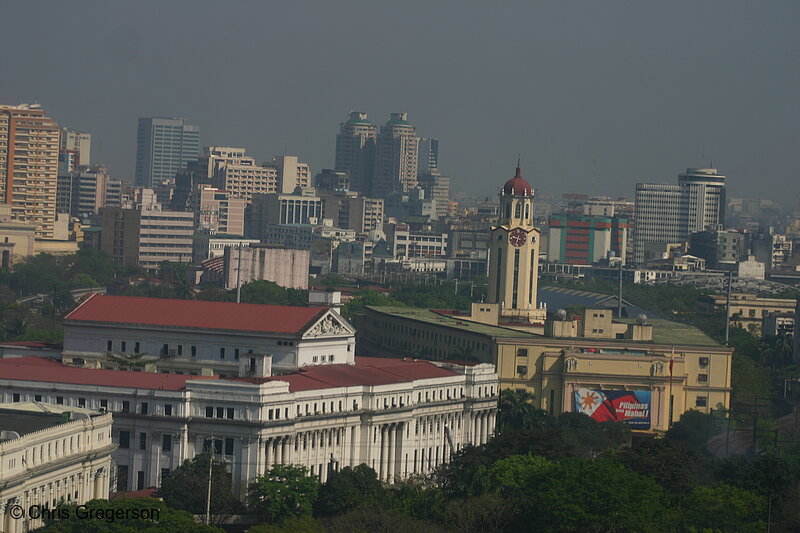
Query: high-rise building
[671, 213]
[428, 156]
[291, 172]
[355, 150]
[268, 209]
[218, 212]
[75, 147]
[437, 188]
[396, 151]
[350, 210]
[233, 171]
[86, 190]
[164, 146]
[332, 180]
[29, 166]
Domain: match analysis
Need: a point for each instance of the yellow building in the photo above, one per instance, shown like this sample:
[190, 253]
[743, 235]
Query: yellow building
[748, 311]
[644, 372]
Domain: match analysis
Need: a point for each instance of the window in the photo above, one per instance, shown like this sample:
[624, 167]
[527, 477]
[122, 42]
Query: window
[122, 478]
[180, 349]
[126, 406]
[704, 362]
[15, 397]
[104, 404]
[228, 446]
[701, 401]
[222, 353]
[702, 378]
[166, 443]
[229, 413]
[165, 349]
[136, 347]
[194, 351]
[37, 398]
[522, 370]
[236, 353]
[220, 412]
[164, 472]
[123, 346]
[522, 352]
[168, 409]
[140, 480]
[144, 408]
[60, 400]
[81, 402]
[209, 412]
[109, 345]
[142, 441]
[124, 439]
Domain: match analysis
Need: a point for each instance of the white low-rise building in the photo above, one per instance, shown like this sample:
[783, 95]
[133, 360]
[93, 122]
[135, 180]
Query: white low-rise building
[49, 454]
[398, 416]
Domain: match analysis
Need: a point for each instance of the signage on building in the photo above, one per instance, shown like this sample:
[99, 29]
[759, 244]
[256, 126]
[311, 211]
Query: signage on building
[631, 407]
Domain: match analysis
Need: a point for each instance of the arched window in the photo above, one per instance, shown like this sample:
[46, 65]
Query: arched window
[508, 210]
[527, 211]
[518, 210]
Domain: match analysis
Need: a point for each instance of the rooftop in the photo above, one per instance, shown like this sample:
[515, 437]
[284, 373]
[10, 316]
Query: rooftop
[30, 417]
[195, 314]
[367, 371]
[664, 331]
[46, 370]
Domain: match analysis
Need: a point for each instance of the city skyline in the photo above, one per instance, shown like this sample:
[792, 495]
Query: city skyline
[627, 95]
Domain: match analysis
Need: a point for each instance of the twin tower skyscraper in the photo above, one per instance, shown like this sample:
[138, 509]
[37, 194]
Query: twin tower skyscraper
[385, 161]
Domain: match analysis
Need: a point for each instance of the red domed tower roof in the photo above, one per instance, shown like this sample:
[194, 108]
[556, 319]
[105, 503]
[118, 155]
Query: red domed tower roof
[517, 185]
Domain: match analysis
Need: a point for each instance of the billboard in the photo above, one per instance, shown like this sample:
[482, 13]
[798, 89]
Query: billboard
[629, 406]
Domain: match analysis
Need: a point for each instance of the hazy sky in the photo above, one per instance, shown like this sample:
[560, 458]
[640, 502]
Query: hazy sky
[595, 96]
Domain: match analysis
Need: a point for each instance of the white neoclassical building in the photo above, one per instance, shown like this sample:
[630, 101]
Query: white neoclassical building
[50, 454]
[198, 337]
[399, 416]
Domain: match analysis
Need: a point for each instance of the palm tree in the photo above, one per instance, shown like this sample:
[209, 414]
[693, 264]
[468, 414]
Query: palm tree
[516, 409]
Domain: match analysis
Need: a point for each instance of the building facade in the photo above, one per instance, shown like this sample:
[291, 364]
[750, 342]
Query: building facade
[396, 150]
[400, 417]
[671, 213]
[584, 240]
[164, 146]
[350, 210]
[218, 212]
[84, 191]
[50, 454]
[77, 143]
[288, 267]
[355, 151]
[29, 166]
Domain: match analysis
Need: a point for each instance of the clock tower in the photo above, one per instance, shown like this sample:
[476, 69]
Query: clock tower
[514, 255]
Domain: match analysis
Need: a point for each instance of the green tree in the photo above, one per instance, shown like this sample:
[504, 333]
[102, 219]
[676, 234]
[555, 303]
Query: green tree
[293, 524]
[160, 518]
[379, 520]
[186, 487]
[349, 489]
[516, 410]
[673, 465]
[284, 491]
[724, 508]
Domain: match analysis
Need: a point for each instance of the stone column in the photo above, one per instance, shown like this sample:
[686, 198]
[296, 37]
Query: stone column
[391, 452]
[382, 463]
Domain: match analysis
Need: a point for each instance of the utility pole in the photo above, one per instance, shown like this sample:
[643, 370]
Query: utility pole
[208, 495]
[728, 309]
[619, 296]
[239, 275]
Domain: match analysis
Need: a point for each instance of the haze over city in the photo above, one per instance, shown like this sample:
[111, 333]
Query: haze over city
[595, 97]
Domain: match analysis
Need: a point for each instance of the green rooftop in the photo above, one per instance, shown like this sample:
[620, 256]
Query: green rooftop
[664, 331]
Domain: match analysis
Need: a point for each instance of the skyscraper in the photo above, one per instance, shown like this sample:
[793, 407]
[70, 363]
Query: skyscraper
[428, 156]
[671, 213]
[396, 151]
[164, 146]
[29, 166]
[355, 150]
[74, 148]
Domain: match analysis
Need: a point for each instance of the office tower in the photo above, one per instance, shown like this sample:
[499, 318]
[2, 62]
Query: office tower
[218, 212]
[437, 188]
[355, 150]
[267, 209]
[671, 213]
[291, 173]
[85, 191]
[164, 146]
[332, 180]
[428, 156]
[350, 210]
[229, 169]
[74, 148]
[395, 157]
[29, 166]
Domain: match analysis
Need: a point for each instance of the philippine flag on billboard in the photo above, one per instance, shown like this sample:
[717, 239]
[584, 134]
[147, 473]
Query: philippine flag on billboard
[631, 407]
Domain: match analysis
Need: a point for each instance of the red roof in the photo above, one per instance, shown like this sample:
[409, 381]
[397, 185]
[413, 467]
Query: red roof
[44, 369]
[366, 371]
[195, 314]
[517, 185]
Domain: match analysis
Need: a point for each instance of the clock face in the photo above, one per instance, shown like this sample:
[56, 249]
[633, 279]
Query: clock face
[517, 237]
